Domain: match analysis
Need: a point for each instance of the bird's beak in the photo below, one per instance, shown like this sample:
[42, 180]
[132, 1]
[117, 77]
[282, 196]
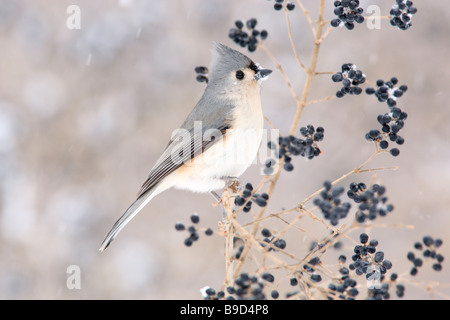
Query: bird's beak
[262, 74]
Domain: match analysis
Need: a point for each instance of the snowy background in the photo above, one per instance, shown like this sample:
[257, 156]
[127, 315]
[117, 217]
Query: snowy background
[85, 113]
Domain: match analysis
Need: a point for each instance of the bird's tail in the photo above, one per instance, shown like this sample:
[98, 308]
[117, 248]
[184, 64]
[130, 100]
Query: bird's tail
[133, 210]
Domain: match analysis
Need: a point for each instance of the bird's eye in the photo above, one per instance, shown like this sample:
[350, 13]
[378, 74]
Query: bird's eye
[240, 74]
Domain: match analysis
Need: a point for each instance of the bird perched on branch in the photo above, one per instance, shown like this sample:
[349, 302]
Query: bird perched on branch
[218, 140]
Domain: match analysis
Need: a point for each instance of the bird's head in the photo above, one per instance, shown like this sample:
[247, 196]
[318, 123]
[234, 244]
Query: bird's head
[232, 69]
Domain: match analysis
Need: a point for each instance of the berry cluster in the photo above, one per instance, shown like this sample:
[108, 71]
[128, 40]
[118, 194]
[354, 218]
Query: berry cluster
[391, 122]
[331, 205]
[309, 268]
[247, 39]
[386, 92]
[273, 241]
[348, 12]
[367, 260]
[381, 292]
[372, 202]
[401, 14]
[345, 287]
[318, 245]
[292, 146]
[192, 230]
[244, 198]
[202, 73]
[431, 246]
[245, 287]
[351, 78]
[400, 289]
[279, 5]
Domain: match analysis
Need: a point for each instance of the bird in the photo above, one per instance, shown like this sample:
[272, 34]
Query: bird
[217, 142]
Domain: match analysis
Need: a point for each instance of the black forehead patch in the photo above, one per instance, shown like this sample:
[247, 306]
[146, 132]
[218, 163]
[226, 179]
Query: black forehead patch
[253, 66]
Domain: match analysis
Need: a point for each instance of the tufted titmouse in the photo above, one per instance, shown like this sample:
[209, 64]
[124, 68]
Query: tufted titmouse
[219, 139]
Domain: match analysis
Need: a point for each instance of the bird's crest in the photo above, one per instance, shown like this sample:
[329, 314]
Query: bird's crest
[226, 60]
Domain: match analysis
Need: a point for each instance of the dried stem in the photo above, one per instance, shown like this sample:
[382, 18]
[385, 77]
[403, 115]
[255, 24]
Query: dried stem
[291, 39]
[280, 68]
[266, 255]
[311, 70]
[301, 103]
[307, 16]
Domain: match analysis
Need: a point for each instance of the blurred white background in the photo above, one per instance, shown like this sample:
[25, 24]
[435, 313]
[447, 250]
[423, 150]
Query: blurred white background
[84, 114]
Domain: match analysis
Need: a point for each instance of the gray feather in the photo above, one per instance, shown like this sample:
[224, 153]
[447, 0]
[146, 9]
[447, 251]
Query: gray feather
[134, 209]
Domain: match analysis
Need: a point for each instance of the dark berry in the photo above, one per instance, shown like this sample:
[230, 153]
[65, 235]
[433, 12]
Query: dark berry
[363, 237]
[274, 294]
[239, 24]
[251, 24]
[437, 267]
[290, 6]
[394, 152]
[260, 201]
[263, 34]
[239, 201]
[266, 232]
[428, 241]
[195, 218]
[316, 277]
[188, 242]
[268, 277]
[288, 166]
[179, 226]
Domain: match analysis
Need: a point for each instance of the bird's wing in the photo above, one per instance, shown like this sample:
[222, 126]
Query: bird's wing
[175, 154]
[188, 143]
[180, 150]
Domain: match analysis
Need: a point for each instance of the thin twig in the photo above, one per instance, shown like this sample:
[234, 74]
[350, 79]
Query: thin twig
[280, 68]
[300, 106]
[353, 171]
[321, 100]
[291, 39]
[311, 69]
[318, 73]
[269, 123]
[326, 33]
[308, 17]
